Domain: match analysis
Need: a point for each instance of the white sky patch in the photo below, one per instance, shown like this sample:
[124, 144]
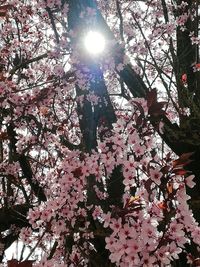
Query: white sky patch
[15, 250]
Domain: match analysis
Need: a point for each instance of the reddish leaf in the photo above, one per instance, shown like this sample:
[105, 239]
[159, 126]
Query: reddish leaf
[4, 9]
[131, 201]
[48, 227]
[139, 106]
[156, 109]
[77, 172]
[184, 78]
[170, 188]
[27, 263]
[165, 169]
[196, 262]
[139, 120]
[151, 97]
[2, 77]
[76, 259]
[183, 160]
[162, 205]
[147, 185]
[197, 65]
[179, 171]
[13, 263]
[3, 136]
[51, 77]
[2, 13]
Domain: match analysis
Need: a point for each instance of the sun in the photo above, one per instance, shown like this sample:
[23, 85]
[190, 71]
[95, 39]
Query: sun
[94, 43]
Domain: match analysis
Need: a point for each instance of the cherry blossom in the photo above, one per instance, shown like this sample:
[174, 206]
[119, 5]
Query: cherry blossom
[84, 169]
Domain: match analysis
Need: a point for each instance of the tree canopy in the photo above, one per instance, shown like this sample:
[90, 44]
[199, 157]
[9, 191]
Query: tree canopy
[100, 153]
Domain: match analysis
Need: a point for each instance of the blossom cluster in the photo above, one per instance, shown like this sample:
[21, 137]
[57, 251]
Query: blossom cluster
[152, 224]
[126, 193]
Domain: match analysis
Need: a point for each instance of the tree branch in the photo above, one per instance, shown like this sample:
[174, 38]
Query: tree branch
[24, 63]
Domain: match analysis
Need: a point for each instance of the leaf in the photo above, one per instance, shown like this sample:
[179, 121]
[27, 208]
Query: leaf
[2, 77]
[183, 160]
[179, 171]
[157, 108]
[184, 78]
[147, 185]
[162, 205]
[170, 188]
[196, 262]
[4, 9]
[154, 107]
[51, 77]
[139, 106]
[153, 153]
[26, 263]
[4, 136]
[165, 169]
[77, 172]
[13, 263]
[139, 120]
[131, 201]
[197, 65]
[151, 97]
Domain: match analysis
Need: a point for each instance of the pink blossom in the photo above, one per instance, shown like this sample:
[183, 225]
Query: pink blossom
[189, 182]
[155, 176]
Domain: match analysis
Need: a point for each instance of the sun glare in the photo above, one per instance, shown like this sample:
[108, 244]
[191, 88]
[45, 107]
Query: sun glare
[94, 43]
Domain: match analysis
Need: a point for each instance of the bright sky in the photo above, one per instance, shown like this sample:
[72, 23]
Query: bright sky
[94, 42]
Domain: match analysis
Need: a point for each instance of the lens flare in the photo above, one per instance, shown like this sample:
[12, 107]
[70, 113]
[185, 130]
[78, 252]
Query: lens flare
[94, 43]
